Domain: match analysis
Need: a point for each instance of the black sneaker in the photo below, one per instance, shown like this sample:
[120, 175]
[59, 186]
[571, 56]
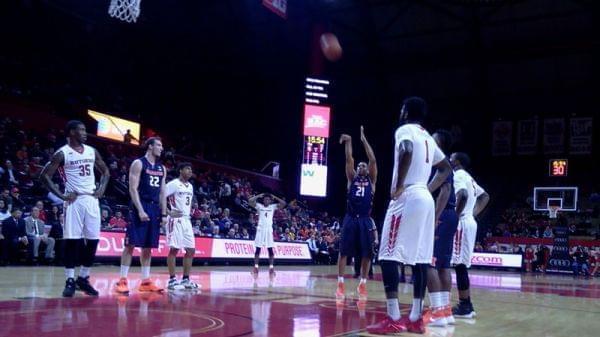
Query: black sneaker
[69, 288]
[464, 310]
[83, 284]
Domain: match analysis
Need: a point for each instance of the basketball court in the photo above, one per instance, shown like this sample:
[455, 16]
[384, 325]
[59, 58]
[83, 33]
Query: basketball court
[299, 301]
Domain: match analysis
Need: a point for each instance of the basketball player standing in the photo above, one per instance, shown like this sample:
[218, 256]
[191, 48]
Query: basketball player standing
[180, 235]
[264, 229]
[81, 207]
[146, 185]
[357, 227]
[408, 229]
[471, 199]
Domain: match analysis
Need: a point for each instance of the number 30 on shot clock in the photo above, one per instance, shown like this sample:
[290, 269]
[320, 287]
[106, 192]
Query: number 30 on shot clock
[559, 167]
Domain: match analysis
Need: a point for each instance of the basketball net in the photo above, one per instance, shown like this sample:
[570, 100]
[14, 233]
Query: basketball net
[553, 210]
[125, 10]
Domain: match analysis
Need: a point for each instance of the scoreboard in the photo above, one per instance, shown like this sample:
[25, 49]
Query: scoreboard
[313, 177]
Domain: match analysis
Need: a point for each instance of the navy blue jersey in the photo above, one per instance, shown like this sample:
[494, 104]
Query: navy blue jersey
[150, 179]
[450, 181]
[360, 196]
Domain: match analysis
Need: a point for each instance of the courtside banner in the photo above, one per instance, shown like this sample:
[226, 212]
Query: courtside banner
[112, 243]
[244, 249]
[497, 260]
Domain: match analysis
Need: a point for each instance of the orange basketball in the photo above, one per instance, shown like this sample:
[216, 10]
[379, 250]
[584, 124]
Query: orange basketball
[330, 46]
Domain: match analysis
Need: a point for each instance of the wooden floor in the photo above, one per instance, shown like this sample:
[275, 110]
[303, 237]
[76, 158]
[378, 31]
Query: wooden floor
[299, 301]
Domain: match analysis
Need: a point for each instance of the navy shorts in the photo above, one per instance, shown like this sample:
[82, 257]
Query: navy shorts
[144, 234]
[444, 238]
[357, 237]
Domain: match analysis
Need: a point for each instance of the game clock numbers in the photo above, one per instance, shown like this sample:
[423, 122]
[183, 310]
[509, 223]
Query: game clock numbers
[558, 167]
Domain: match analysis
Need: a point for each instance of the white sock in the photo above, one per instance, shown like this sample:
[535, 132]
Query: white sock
[363, 280]
[145, 272]
[340, 279]
[436, 300]
[271, 266]
[445, 298]
[84, 271]
[393, 308]
[415, 310]
[70, 272]
[124, 271]
[255, 266]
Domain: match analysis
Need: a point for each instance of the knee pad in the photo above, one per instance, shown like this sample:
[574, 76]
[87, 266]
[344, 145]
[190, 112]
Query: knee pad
[389, 272]
[462, 277]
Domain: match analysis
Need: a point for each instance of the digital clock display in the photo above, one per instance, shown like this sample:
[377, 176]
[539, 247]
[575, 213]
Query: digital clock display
[559, 167]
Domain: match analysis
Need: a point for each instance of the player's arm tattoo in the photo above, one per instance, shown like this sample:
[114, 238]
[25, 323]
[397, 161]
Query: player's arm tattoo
[48, 172]
[443, 169]
[104, 175]
[134, 182]
[481, 203]
[404, 160]
[442, 200]
[461, 200]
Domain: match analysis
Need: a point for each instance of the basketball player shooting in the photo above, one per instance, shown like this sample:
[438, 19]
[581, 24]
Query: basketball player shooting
[471, 199]
[357, 228]
[264, 229]
[81, 207]
[408, 229]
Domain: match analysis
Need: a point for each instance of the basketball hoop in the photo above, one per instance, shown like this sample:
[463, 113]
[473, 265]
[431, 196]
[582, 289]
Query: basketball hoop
[553, 210]
[125, 10]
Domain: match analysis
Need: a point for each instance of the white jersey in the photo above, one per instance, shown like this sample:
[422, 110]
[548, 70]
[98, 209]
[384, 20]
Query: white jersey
[464, 181]
[180, 196]
[265, 214]
[425, 154]
[79, 169]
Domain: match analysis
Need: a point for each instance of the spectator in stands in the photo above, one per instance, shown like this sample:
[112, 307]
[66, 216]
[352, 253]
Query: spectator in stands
[5, 196]
[494, 247]
[232, 234]
[478, 247]
[312, 247]
[196, 213]
[13, 231]
[4, 213]
[16, 198]
[36, 234]
[323, 255]
[580, 262]
[117, 222]
[245, 234]
[104, 219]
[548, 233]
[9, 175]
[215, 232]
[43, 215]
[53, 216]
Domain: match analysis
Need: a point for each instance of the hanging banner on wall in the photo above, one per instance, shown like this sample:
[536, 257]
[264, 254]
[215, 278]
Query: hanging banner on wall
[527, 136]
[554, 135]
[580, 132]
[502, 138]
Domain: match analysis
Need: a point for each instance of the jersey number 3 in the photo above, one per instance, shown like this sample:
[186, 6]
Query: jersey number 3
[154, 181]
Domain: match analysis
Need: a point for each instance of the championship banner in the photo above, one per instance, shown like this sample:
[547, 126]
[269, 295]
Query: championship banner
[527, 136]
[502, 138]
[554, 135]
[560, 259]
[580, 141]
[111, 244]
[497, 260]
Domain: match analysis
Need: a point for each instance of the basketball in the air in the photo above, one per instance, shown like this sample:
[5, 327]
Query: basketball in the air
[330, 46]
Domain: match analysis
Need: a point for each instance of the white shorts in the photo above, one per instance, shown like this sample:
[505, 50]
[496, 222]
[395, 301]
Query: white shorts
[464, 241]
[408, 228]
[264, 237]
[180, 233]
[82, 218]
